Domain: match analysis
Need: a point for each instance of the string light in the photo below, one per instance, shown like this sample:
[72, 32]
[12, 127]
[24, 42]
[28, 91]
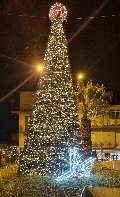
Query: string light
[78, 18]
[9, 154]
[12, 185]
[53, 128]
[54, 124]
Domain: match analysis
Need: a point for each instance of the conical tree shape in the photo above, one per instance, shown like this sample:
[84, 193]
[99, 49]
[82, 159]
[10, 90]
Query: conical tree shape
[54, 124]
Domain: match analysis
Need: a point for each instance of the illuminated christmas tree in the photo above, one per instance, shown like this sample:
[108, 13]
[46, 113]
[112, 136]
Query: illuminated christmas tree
[53, 127]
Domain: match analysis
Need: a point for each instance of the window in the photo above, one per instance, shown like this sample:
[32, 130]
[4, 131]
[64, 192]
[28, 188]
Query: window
[114, 114]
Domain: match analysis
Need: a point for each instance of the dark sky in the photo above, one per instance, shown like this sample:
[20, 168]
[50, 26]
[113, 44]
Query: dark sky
[24, 29]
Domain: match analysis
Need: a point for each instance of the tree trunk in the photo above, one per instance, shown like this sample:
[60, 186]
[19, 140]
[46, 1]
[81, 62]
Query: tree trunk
[86, 135]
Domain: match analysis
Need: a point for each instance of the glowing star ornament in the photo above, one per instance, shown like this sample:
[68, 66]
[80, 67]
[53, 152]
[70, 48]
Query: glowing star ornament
[58, 12]
[78, 165]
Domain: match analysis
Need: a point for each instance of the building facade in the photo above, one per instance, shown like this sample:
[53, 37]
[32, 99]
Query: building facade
[105, 129]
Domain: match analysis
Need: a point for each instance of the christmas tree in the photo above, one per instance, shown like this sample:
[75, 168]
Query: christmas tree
[53, 127]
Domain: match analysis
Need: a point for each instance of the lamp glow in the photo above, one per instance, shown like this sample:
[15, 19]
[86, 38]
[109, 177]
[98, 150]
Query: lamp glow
[80, 76]
[40, 68]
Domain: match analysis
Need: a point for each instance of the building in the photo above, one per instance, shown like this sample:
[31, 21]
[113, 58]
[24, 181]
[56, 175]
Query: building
[26, 101]
[105, 129]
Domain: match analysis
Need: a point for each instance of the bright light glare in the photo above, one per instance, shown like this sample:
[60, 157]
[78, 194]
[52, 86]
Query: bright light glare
[80, 76]
[40, 68]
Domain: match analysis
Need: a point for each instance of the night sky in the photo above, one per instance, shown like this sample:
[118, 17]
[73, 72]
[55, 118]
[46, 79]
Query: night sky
[93, 34]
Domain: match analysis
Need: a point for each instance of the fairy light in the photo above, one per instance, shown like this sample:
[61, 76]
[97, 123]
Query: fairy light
[53, 128]
[54, 125]
[9, 154]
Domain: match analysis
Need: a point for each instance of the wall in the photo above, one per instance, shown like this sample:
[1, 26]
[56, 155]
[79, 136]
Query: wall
[107, 138]
[104, 192]
[116, 165]
[26, 102]
[118, 139]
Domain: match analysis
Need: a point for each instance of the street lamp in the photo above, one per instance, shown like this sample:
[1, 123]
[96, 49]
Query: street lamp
[39, 68]
[80, 76]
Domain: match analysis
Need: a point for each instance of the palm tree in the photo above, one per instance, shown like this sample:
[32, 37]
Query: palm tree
[93, 100]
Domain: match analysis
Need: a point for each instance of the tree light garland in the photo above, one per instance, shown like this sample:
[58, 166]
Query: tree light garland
[54, 125]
